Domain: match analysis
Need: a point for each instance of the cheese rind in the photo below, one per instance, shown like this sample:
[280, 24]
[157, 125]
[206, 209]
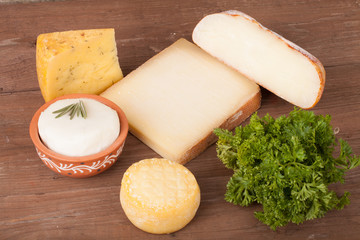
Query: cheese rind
[262, 55]
[159, 196]
[175, 100]
[82, 61]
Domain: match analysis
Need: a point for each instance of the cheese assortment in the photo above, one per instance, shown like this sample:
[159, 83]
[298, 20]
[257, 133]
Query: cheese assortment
[159, 196]
[83, 61]
[173, 102]
[176, 99]
[262, 55]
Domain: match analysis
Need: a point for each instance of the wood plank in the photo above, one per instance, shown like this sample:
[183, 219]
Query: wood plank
[142, 32]
[36, 203]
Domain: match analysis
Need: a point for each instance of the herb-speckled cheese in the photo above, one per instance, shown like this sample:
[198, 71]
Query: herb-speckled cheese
[159, 196]
[83, 61]
[79, 136]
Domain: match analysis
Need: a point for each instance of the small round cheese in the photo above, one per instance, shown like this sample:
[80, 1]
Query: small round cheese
[79, 136]
[159, 196]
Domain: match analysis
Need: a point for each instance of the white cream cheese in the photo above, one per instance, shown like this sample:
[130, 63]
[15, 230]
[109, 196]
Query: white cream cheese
[78, 136]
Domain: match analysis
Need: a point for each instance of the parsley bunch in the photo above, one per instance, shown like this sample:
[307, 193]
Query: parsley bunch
[285, 164]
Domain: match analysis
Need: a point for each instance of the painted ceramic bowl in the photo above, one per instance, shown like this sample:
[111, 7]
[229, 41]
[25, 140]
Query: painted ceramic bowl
[86, 166]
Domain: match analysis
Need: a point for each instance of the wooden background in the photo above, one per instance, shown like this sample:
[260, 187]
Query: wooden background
[36, 203]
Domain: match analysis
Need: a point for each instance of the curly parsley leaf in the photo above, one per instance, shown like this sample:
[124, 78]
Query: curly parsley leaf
[285, 164]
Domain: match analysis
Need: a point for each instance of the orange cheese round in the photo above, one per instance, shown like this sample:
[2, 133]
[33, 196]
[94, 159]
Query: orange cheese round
[159, 196]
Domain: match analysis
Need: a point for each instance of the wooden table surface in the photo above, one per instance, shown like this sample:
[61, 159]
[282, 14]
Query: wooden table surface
[36, 203]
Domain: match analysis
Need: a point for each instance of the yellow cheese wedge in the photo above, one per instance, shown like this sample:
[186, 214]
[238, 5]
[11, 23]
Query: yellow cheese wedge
[175, 100]
[83, 61]
[159, 196]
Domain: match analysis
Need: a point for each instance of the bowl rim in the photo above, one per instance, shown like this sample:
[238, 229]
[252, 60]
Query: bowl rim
[35, 137]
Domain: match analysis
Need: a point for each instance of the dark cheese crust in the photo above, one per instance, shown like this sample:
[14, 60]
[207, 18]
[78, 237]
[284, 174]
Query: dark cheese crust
[234, 120]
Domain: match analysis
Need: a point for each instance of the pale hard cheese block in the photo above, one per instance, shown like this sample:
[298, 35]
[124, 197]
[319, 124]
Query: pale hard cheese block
[159, 196]
[79, 136]
[265, 57]
[175, 100]
[83, 61]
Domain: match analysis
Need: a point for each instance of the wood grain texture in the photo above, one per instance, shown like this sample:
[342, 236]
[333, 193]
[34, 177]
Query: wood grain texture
[36, 203]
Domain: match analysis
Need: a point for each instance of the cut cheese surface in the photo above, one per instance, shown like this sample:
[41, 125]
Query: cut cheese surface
[83, 61]
[79, 136]
[159, 196]
[265, 57]
[175, 100]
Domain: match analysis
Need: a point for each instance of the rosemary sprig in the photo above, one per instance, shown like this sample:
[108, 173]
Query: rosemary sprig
[77, 109]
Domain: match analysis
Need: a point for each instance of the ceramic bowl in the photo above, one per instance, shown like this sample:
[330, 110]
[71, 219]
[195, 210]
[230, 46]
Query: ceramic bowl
[80, 167]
